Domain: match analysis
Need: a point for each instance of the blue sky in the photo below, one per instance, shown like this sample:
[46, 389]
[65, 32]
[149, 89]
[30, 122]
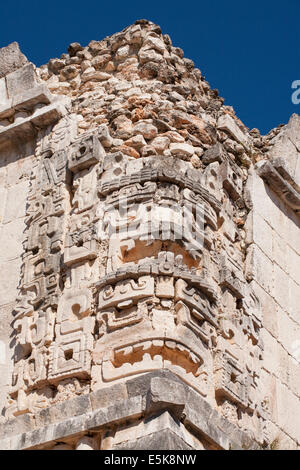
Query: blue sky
[248, 50]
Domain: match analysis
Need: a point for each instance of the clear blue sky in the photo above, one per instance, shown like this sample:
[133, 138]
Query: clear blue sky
[249, 50]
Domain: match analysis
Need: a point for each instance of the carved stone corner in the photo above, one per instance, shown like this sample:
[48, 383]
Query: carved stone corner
[280, 182]
[26, 105]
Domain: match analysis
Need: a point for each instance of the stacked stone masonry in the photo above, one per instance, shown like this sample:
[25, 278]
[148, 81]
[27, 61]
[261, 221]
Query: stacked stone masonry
[150, 243]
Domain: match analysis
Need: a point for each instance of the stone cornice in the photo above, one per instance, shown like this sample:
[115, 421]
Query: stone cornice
[142, 396]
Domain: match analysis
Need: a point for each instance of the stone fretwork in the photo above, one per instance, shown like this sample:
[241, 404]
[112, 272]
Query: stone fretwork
[141, 291]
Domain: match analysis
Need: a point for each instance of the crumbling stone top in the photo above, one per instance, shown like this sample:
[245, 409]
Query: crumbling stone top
[11, 59]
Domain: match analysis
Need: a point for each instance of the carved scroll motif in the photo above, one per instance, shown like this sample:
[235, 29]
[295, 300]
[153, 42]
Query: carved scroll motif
[70, 353]
[125, 293]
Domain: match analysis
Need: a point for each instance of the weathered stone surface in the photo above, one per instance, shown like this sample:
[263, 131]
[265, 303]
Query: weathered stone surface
[28, 99]
[11, 59]
[166, 393]
[23, 432]
[280, 185]
[86, 443]
[285, 152]
[162, 440]
[182, 149]
[21, 80]
[105, 397]
[160, 432]
[214, 154]
[227, 124]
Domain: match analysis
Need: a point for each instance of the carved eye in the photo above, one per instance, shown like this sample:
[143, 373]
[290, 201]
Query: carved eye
[76, 309]
[233, 377]
[68, 354]
[82, 150]
[108, 292]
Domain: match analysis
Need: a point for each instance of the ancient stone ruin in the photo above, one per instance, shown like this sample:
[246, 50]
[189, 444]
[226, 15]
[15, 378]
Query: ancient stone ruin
[149, 282]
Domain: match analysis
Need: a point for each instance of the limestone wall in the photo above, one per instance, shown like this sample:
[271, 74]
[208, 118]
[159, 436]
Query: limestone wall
[273, 235]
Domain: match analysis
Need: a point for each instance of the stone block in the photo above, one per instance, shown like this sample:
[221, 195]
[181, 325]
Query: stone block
[285, 153]
[165, 439]
[3, 94]
[288, 406]
[279, 184]
[182, 149]
[215, 153]
[5, 444]
[3, 172]
[282, 441]
[289, 333]
[258, 231]
[227, 123]
[205, 424]
[259, 268]
[281, 287]
[232, 180]
[16, 202]
[11, 59]
[11, 238]
[108, 396]
[268, 393]
[276, 358]
[292, 236]
[47, 115]
[70, 408]
[20, 170]
[85, 152]
[132, 408]
[279, 252]
[164, 393]
[282, 217]
[2, 202]
[6, 360]
[28, 99]
[294, 376]
[293, 263]
[25, 129]
[9, 280]
[285, 370]
[286, 293]
[257, 195]
[86, 443]
[269, 310]
[18, 425]
[286, 166]
[141, 384]
[21, 81]
[158, 432]
[294, 301]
